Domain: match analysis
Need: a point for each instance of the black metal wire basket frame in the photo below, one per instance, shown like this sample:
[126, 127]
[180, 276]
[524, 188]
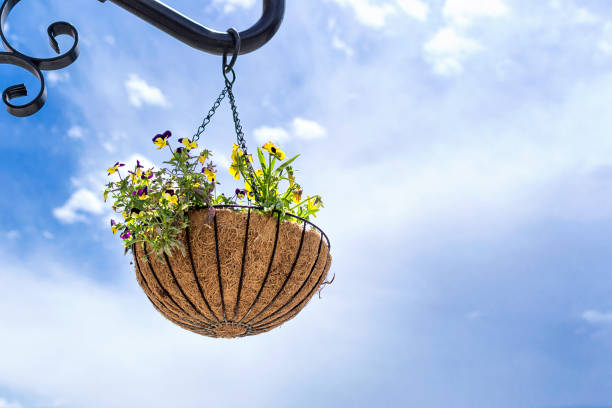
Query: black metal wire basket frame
[254, 325]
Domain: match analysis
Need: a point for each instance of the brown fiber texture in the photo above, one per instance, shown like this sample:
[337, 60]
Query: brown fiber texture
[221, 287]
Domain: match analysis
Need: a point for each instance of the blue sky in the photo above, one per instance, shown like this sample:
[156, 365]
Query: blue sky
[464, 155]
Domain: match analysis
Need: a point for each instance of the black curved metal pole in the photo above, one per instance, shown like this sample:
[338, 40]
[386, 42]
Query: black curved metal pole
[204, 39]
[156, 13]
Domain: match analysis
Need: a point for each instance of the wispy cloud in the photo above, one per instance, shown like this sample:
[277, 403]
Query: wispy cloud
[597, 317]
[231, 5]
[140, 93]
[368, 13]
[276, 134]
[79, 207]
[464, 12]
[7, 404]
[308, 129]
[448, 49]
[415, 8]
[75, 132]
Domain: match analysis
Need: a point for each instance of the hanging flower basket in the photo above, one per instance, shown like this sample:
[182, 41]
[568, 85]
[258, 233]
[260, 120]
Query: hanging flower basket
[207, 262]
[243, 272]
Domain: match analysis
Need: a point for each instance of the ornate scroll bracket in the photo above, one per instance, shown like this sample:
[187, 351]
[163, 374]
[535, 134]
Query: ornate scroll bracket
[154, 12]
[34, 65]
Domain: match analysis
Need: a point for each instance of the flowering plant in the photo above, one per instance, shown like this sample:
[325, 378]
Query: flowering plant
[154, 204]
[263, 186]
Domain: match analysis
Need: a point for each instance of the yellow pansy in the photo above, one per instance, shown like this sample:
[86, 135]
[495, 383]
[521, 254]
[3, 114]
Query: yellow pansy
[235, 171]
[249, 190]
[115, 167]
[275, 151]
[188, 143]
[314, 203]
[297, 196]
[161, 140]
[211, 175]
[203, 157]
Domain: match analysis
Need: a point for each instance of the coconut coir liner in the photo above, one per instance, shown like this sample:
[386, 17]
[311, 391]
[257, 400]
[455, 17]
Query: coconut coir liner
[202, 290]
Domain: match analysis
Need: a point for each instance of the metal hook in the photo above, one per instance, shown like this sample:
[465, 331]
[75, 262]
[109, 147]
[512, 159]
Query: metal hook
[237, 44]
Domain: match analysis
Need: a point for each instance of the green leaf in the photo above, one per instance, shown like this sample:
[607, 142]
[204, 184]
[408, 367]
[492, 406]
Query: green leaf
[262, 160]
[285, 164]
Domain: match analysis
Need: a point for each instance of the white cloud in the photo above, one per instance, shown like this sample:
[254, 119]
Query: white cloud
[597, 317]
[221, 160]
[340, 45]
[231, 5]
[47, 235]
[54, 77]
[109, 39]
[5, 404]
[308, 129]
[75, 132]
[265, 134]
[82, 203]
[605, 44]
[584, 16]
[141, 93]
[414, 8]
[473, 315]
[371, 15]
[13, 234]
[463, 12]
[447, 50]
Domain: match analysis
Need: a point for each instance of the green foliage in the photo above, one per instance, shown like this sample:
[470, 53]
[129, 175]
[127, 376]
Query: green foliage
[273, 185]
[154, 204]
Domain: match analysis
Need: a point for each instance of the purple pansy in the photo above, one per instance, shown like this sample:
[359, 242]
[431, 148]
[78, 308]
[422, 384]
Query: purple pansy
[166, 135]
[142, 191]
[126, 234]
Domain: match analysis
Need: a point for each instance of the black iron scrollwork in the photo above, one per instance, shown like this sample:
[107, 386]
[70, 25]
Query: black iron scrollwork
[34, 65]
[154, 12]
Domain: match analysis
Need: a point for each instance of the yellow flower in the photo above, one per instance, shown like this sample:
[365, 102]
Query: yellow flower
[161, 140]
[236, 153]
[203, 157]
[235, 171]
[105, 195]
[125, 215]
[275, 151]
[314, 203]
[115, 167]
[172, 199]
[297, 196]
[188, 143]
[211, 175]
[249, 190]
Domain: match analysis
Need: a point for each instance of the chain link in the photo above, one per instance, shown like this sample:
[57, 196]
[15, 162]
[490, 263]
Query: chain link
[239, 133]
[227, 91]
[211, 113]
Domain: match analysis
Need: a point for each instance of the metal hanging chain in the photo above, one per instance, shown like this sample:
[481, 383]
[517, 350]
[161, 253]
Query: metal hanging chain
[229, 83]
[211, 113]
[228, 71]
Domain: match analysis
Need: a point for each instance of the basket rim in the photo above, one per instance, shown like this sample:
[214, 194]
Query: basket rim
[255, 207]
